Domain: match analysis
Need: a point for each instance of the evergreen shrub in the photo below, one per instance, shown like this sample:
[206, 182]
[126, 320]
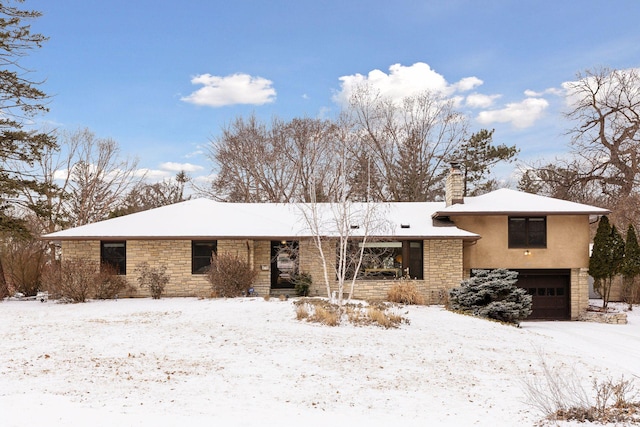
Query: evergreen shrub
[492, 294]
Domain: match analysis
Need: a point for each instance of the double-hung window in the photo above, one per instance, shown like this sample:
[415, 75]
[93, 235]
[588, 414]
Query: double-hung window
[527, 232]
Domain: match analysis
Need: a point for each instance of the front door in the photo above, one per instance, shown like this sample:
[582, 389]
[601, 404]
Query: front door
[284, 263]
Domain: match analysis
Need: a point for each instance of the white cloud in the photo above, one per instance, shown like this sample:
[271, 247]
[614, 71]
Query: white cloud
[519, 114]
[478, 100]
[178, 167]
[403, 81]
[230, 90]
[467, 83]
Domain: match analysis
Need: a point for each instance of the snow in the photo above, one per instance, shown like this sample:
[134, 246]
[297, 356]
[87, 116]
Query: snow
[199, 218]
[249, 362]
[507, 201]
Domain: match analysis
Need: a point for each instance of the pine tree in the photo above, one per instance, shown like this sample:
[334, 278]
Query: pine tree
[631, 265]
[606, 259]
[20, 99]
[492, 294]
[477, 156]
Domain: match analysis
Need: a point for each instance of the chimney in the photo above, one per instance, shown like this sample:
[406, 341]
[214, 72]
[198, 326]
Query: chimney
[454, 186]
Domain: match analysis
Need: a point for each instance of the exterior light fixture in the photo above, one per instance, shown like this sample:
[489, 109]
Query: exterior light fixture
[527, 252]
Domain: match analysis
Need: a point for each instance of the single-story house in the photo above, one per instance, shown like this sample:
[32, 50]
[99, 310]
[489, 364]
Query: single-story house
[436, 244]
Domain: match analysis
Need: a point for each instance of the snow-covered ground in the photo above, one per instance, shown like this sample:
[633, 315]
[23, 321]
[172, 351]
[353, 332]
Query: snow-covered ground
[248, 362]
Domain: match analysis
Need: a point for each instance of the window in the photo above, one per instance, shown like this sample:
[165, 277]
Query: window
[114, 255]
[201, 253]
[387, 260]
[527, 232]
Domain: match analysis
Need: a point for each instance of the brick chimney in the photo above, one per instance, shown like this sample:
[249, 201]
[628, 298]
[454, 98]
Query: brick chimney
[454, 186]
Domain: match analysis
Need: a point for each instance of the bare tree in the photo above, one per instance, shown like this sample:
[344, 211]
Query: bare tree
[83, 181]
[410, 142]
[99, 178]
[260, 163]
[337, 222]
[606, 110]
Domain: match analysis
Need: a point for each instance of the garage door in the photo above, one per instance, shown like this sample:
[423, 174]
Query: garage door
[550, 291]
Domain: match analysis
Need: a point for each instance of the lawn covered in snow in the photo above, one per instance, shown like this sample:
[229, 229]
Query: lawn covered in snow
[248, 362]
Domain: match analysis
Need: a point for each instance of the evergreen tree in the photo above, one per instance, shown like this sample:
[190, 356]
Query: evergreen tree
[492, 294]
[631, 265]
[20, 99]
[606, 258]
[477, 156]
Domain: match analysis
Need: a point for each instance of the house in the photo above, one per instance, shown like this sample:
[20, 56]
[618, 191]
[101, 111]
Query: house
[436, 244]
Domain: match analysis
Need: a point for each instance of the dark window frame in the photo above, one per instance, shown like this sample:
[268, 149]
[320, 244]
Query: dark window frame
[406, 257]
[199, 260]
[523, 232]
[113, 258]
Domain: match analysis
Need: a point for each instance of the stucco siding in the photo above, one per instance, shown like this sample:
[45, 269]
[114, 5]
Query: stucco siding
[567, 244]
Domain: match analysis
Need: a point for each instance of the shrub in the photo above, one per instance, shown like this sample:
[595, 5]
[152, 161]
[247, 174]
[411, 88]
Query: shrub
[492, 294]
[405, 292]
[302, 282]
[109, 284]
[560, 395]
[318, 310]
[154, 278]
[23, 260]
[72, 279]
[230, 276]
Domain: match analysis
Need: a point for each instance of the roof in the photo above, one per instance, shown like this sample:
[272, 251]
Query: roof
[208, 219]
[511, 202]
[204, 218]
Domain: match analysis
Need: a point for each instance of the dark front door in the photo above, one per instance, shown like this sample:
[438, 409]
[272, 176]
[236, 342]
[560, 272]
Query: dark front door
[550, 291]
[284, 263]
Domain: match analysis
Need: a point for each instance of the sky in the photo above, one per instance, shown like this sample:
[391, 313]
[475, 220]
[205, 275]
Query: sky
[164, 78]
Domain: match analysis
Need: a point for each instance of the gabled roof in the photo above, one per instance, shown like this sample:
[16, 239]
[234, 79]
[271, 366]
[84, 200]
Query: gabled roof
[511, 202]
[204, 218]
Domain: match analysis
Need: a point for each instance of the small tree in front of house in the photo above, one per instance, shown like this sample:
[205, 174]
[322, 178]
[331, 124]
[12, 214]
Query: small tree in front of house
[492, 294]
[631, 266]
[606, 258]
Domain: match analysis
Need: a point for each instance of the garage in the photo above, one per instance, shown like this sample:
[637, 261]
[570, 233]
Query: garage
[550, 290]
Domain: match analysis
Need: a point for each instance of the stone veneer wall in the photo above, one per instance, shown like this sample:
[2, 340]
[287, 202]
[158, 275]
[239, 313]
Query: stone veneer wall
[310, 262]
[442, 266]
[579, 291]
[262, 260]
[175, 255]
[81, 249]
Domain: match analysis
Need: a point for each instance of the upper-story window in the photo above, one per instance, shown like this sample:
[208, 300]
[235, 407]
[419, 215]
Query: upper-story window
[114, 255]
[527, 232]
[201, 253]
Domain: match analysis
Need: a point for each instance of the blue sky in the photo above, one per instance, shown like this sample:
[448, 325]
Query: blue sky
[162, 78]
